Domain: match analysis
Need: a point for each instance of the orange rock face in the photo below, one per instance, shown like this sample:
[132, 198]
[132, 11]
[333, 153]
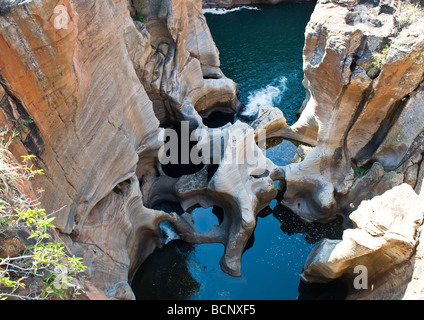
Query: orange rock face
[91, 88]
[88, 86]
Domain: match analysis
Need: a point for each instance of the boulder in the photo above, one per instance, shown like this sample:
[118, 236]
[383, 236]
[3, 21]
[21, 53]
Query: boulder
[383, 242]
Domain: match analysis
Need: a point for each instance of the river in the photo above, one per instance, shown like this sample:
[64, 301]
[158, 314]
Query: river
[260, 49]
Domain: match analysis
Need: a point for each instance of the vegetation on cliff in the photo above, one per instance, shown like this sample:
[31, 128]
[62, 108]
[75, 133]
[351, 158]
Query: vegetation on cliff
[38, 268]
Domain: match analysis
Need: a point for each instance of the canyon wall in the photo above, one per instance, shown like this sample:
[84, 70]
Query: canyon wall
[90, 87]
[381, 257]
[364, 71]
[92, 96]
[361, 142]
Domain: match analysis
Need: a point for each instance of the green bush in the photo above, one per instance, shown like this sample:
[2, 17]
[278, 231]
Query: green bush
[360, 172]
[45, 261]
[378, 59]
[138, 6]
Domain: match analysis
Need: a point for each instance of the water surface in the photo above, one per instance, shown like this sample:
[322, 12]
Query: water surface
[261, 50]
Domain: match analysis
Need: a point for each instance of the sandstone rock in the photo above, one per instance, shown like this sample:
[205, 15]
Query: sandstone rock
[242, 185]
[11, 247]
[96, 96]
[301, 152]
[184, 64]
[415, 288]
[58, 78]
[383, 240]
[273, 122]
[357, 118]
[235, 3]
[118, 235]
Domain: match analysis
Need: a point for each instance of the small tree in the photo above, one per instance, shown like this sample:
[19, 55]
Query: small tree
[44, 262]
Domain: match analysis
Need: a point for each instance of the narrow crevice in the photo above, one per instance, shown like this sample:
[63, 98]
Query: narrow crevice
[33, 141]
[121, 187]
[218, 119]
[374, 143]
[366, 96]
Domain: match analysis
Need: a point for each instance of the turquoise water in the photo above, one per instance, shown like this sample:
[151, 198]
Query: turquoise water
[270, 268]
[261, 50]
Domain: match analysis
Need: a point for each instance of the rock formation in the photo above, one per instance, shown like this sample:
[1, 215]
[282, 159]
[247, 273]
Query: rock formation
[361, 134]
[88, 87]
[238, 179]
[92, 87]
[383, 242]
[364, 70]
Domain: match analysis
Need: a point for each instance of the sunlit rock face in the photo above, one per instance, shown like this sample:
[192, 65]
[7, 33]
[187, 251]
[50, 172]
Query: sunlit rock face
[361, 130]
[89, 86]
[92, 86]
[364, 71]
[236, 3]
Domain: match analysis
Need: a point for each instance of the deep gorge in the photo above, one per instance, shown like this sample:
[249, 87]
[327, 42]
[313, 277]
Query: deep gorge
[342, 87]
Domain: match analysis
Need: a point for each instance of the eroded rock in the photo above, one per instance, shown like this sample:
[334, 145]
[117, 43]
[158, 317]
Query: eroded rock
[90, 95]
[364, 83]
[96, 95]
[241, 184]
[382, 242]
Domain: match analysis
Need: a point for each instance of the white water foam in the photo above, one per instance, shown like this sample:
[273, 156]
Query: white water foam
[225, 11]
[168, 231]
[271, 96]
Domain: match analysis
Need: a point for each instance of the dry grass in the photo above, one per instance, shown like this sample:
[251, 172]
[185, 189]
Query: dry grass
[13, 178]
[407, 14]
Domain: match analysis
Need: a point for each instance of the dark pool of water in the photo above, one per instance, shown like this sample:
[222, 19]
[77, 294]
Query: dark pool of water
[270, 268]
[262, 51]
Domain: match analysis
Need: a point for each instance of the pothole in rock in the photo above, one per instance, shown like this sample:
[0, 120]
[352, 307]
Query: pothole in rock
[177, 151]
[218, 119]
